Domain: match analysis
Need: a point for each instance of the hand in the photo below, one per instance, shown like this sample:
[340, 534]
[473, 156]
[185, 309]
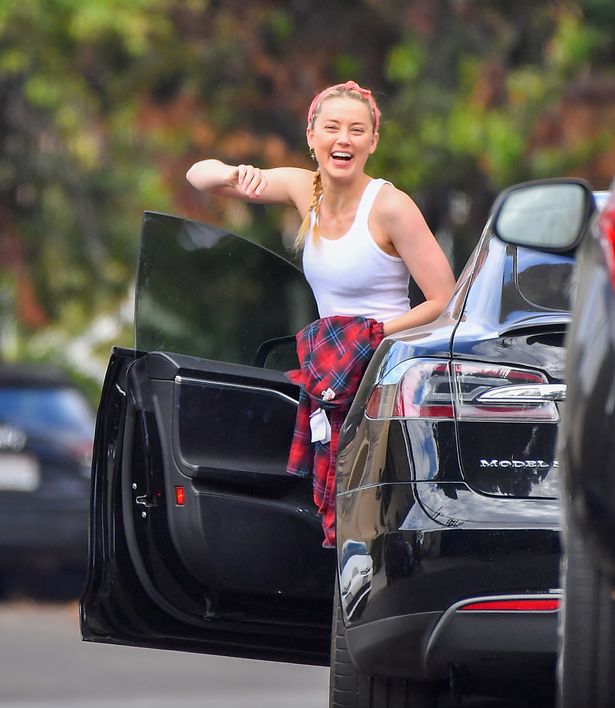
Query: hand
[250, 181]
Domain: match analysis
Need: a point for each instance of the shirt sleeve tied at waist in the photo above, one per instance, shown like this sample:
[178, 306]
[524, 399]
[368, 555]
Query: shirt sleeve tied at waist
[333, 354]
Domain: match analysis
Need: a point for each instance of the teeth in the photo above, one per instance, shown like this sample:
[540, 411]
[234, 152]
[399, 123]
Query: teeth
[345, 155]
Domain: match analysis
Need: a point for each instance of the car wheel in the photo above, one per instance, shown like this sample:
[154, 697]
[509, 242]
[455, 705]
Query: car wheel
[350, 689]
[586, 663]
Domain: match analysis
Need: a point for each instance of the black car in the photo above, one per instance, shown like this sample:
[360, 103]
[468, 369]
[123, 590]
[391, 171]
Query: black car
[447, 569]
[46, 436]
[587, 661]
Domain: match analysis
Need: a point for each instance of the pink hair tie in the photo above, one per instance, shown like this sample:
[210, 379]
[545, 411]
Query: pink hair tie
[348, 86]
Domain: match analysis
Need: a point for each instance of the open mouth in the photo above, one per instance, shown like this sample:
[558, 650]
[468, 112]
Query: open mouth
[341, 156]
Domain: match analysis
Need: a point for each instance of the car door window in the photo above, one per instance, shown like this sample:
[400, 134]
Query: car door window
[217, 296]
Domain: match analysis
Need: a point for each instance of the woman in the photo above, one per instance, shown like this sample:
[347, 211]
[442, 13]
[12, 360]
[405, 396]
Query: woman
[361, 239]
[342, 132]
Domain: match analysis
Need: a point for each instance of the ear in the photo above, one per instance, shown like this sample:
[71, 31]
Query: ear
[374, 143]
[309, 134]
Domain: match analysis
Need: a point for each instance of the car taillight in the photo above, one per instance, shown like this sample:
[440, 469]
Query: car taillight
[606, 233]
[465, 390]
[491, 391]
[420, 388]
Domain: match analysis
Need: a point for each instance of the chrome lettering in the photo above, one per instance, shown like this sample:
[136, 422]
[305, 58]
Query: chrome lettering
[518, 464]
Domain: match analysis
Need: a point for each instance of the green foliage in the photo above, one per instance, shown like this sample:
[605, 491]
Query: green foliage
[484, 97]
[105, 103]
[574, 43]
[404, 62]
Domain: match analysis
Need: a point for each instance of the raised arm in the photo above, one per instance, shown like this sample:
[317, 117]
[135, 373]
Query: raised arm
[279, 185]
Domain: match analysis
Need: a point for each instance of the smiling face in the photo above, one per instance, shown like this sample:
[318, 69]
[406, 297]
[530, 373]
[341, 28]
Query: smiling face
[342, 136]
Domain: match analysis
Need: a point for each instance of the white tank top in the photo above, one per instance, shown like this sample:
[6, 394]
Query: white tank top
[352, 275]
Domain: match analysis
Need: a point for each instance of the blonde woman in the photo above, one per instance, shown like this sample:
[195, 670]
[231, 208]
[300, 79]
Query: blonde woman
[361, 239]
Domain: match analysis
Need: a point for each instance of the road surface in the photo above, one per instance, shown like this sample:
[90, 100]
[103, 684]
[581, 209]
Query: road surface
[44, 664]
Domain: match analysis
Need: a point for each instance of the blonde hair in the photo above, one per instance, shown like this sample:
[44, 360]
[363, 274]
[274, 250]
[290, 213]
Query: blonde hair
[348, 90]
[314, 208]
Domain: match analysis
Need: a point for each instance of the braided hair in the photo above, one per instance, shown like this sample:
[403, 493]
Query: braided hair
[314, 208]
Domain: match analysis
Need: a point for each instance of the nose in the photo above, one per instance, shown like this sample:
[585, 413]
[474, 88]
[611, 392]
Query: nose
[343, 136]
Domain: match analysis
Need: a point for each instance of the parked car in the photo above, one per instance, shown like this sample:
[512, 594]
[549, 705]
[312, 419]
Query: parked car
[447, 570]
[587, 453]
[46, 436]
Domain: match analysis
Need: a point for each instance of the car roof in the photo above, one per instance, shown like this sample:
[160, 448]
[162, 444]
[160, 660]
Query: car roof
[31, 375]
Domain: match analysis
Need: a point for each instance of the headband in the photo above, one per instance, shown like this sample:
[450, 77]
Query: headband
[348, 86]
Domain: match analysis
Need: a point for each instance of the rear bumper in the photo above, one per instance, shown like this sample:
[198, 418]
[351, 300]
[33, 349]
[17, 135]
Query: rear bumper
[490, 641]
[476, 643]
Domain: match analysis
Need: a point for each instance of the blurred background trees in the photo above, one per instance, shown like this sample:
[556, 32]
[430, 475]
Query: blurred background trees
[105, 103]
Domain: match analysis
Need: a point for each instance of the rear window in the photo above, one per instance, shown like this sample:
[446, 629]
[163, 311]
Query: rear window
[61, 412]
[545, 280]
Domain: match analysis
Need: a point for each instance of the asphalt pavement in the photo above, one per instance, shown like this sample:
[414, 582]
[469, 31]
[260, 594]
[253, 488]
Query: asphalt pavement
[44, 664]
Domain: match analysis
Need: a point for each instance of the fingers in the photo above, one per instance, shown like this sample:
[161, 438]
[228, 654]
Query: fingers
[250, 181]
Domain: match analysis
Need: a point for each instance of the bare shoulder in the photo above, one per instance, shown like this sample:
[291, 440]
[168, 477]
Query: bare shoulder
[393, 204]
[394, 208]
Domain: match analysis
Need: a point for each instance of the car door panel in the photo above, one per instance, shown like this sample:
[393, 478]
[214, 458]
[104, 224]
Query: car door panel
[230, 423]
[230, 463]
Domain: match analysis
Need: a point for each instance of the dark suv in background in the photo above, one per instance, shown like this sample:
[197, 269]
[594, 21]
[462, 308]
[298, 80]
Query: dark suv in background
[46, 434]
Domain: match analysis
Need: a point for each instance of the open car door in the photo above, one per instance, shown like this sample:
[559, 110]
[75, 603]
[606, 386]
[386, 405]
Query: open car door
[199, 539]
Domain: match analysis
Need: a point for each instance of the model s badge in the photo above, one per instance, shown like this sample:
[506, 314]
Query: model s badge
[519, 464]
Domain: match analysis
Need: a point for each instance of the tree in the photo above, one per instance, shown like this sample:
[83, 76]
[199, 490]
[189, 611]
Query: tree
[104, 104]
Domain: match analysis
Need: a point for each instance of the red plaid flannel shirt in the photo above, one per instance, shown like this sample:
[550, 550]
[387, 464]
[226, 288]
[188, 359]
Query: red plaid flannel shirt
[333, 354]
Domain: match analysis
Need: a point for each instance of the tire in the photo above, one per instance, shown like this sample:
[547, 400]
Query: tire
[350, 689]
[586, 661]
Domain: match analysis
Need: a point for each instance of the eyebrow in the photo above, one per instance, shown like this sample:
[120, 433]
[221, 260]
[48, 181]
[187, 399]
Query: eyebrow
[337, 120]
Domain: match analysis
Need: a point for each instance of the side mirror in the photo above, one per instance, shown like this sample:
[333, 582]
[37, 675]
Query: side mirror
[546, 214]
